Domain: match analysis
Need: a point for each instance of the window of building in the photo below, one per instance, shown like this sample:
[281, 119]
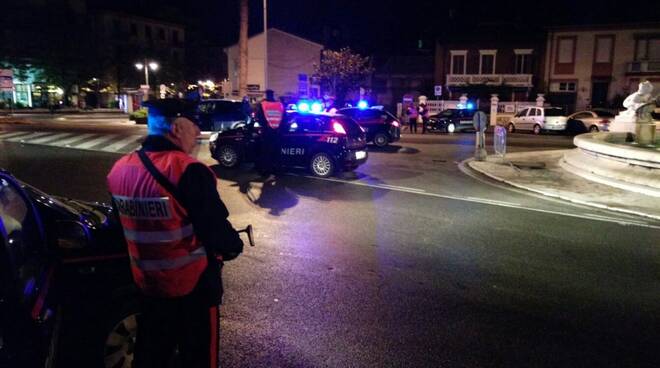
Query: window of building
[565, 52]
[487, 61]
[458, 61]
[563, 87]
[175, 36]
[523, 63]
[604, 45]
[134, 29]
[161, 34]
[654, 49]
[647, 48]
[147, 32]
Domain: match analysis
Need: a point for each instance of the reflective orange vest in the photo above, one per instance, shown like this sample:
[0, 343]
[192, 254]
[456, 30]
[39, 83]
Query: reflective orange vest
[166, 257]
[273, 112]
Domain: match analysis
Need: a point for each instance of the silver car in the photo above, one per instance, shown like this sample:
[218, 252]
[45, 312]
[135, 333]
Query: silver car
[590, 121]
[539, 119]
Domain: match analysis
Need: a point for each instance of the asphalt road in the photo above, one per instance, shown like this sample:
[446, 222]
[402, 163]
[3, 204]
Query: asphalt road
[410, 262]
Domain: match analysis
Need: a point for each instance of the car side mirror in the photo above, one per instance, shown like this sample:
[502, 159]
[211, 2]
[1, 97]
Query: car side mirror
[72, 235]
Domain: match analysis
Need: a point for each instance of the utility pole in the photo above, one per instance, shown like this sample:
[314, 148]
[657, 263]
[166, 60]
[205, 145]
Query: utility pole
[243, 50]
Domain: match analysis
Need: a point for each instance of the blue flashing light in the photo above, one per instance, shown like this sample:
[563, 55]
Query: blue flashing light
[470, 106]
[362, 104]
[303, 107]
[317, 107]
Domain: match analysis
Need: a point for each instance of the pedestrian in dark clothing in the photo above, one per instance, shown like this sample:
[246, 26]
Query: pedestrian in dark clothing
[270, 114]
[176, 226]
[413, 114]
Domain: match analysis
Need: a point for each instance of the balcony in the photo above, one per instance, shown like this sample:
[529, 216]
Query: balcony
[512, 80]
[648, 66]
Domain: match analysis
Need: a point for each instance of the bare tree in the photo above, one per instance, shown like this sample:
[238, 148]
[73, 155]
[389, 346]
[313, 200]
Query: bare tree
[243, 50]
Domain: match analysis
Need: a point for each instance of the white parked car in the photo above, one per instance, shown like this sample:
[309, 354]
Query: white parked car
[539, 119]
[590, 121]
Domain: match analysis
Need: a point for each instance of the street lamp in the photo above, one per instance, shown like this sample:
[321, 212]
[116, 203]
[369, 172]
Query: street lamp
[146, 66]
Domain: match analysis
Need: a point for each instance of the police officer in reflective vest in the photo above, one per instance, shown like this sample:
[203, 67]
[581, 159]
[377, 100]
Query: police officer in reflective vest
[175, 225]
[269, 115]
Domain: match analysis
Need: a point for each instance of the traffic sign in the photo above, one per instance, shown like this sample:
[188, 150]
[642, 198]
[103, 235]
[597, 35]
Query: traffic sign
[438, 90]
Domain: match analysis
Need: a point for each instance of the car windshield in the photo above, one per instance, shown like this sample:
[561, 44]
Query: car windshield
[554, 111]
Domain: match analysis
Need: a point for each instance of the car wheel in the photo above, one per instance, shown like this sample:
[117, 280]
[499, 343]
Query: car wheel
[121, 334]
[511, 128]
[381, 140]
[321, 165]
[228, 157]
[451, 128]
[537, 129]
[593, 129]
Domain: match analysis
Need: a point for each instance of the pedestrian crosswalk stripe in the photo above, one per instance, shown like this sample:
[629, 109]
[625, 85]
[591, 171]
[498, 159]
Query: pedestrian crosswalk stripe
[97, 141]
[27, 137]
[6, 135]
[65, 142]
[129, 142]
[86, 141]
[50, 138]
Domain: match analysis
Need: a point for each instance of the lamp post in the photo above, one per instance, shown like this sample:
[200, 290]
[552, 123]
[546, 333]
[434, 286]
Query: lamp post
[146, 66]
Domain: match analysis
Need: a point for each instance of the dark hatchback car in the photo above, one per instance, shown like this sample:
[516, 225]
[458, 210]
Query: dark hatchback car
[66, 294]
[451, 120]
[218, 115]
[381, 127]
[323, 143]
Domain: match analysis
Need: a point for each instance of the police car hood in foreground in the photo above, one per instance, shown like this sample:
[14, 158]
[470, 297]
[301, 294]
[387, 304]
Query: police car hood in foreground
[97, 223]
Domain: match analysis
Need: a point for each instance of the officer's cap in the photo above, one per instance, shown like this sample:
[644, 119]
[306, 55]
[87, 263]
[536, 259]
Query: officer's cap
[170, 108]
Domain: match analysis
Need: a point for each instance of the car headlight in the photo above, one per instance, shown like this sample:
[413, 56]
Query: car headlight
[213, 137]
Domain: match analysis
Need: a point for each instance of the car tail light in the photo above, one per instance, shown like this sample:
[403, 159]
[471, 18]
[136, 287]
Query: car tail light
[338, 128]
[604, 121]
[395, 123]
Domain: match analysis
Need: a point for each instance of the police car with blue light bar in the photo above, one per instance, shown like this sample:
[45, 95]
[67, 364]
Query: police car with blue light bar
[324, 143]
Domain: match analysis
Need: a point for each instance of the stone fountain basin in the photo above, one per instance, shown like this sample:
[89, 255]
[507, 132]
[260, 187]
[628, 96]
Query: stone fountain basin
[613, 159]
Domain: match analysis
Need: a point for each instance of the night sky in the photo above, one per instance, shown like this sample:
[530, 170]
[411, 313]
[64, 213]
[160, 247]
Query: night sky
[387, 26]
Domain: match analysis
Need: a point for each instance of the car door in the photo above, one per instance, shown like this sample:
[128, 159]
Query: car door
[293, 141]
[519, 119]
[26, 270]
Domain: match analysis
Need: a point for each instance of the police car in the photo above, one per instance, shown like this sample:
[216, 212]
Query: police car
[382, 128]
[66, 292]
[325, 143]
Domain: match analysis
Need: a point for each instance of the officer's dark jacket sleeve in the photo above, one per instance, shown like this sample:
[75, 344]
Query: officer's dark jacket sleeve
[207, 212]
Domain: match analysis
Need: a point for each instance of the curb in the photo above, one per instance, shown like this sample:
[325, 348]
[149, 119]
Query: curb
[467, 162]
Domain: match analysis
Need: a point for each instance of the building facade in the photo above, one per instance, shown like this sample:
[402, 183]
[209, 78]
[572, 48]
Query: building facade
[403, 75]
[598, 66]
[510, 67]
[291, 62]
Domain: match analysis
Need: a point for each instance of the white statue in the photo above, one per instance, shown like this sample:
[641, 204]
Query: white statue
[637, 99]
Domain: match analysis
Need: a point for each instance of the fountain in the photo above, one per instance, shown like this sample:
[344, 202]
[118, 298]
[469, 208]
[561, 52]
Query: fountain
[627, 157]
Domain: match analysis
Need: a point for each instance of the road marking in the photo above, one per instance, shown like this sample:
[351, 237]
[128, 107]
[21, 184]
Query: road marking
[50, 138]
[66, 142]
[490, 202]
[122, 143]
[6, 135]
[23, 138]
[94, 142]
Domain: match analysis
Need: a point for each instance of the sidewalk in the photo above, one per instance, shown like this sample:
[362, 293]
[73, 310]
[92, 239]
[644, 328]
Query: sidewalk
[540, 172]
